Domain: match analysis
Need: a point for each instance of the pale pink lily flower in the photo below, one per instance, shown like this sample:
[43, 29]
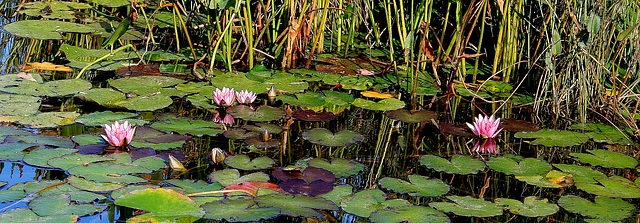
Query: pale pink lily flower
[365, 72]
[226, 95]
[489, 146]
[228, 119]
[246, 97]
[119, 135]
[485, 127]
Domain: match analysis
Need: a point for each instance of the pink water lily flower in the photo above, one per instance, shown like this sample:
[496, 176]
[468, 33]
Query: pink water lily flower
[228, 119]
[489, 146]
[245, 97]
[485, 127]
[226, 95]
[119, 135]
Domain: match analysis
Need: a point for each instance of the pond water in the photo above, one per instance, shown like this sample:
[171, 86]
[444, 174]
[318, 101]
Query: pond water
[327, 147]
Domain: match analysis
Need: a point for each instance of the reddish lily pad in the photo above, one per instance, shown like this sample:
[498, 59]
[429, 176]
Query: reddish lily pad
[514, 125]
[310, 174]
[411, 116]
[313, 116]
[450, 129]
[325, 137]
[299, 186]
[254, 186]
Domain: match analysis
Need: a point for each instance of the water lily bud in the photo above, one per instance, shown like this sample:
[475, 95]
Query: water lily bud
[272, 91]
[218, 156]
[175, 163]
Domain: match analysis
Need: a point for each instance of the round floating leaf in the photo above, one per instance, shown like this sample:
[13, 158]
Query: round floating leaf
[560, 138]
[531, 207]
[60, 204]
[240, 133]
[11, 195]
[262, 127]
[337, 194]
[581, 174]
[238, 211]
[526, 167]
[339, 167]
[54, 141]
[459, 164]
[606, 158]
[286, 82]
[144, 85]
[190, 186]
[384, 105]
[39, 157]
[325, 137]
[244, 163]
[258, 143]
[80, 57]
[300, 186]
[67, 161]
[312, 116]
[44, 29]
[188, 126]
[307, 99]
[161, 203]
[605, 133]
[228, 177]
[93, 186]
[411, 117]
[151, 103]
[238, 81]
[296, 205]
[614, 186]
[613, 209]
[408, 214]
[515, 125]
[13, 151]
[20, 215]
[261, 114]
[112, 3]
[44, 120]
[468, 206]
[365, 204]
[417, 186]
[338, 98]
[11, 104]
[103, 96]
[553, 179]
[108, 117]
[10, 130]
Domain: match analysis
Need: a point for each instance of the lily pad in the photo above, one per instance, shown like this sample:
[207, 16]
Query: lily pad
[325, 137]
[103, 96]
[39, 157]
[561, 138]
[339, 167]
[338, 98]
[80, 57]
[365, 204]
[526, 167]
[296, 205]
[144, 85]
[93, 186]
[44, 29]
[15, 84]
[313, 116]
[408, 213]
[70, 160]
[581, 174]
[553, 179]
[468, 206]
[188, 126]
[606, 158]
[161, 203]
[605, 133]
[514, 125]
[613, 209]
[240, 133]
[259, 143]
[337, 194]
[614, 186]
[238, 81]
[60, 204]
[264, 127]
[47, 140]
[420, 186]
[458, 165]
[228, 177]
[238, 211]
[101, 118]
[383, 105]
[11, 104]
[411, 116]
[44, 120]
[13, 151]
[300, 186]
[531, 207]
[20, 215]
[307, 99]
[263, 113]
[244, 163]
[191, 186]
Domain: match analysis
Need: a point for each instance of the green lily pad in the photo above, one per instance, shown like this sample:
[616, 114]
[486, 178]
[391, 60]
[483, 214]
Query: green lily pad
[526, 167]
[553, 179]
[44, 29]
[93, 186]
[190, 186]
[161, 203]
[459, 164]
[60, 204]
[240, 133]
[151, 103]
[228, 177]
[80, 57]
[561, 138]
[581, 174]
[604, 133]
[70, 160]
[383, 105]
[614, 186]
[263, 113]
[128, 189]
[39, 157]
[286, 82]
[339, 167]
[409, 213]
[17, 85]
[613, 209]
[411, 116]
[325, 137]
[105, 117]
[238, 211]
[11, 194]
[47, 140]
[144, 85]
[11, 104]
[531, 207]
[262, 127]
[188, 126]
[417, 186]
[244, 163]
[338, 98]
[364, 205]
[238, 81]
[468, 206]
[337, 194]
[44, 120]
[307, 99]
[57, 9]
[13, 151]
[75, 194]
[20, 215]
[296, 205]
[112, 3]
[13, 131]
[606, 158]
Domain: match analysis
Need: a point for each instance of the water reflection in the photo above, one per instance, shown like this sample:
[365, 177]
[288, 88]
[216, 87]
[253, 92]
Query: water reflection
[488, 146]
